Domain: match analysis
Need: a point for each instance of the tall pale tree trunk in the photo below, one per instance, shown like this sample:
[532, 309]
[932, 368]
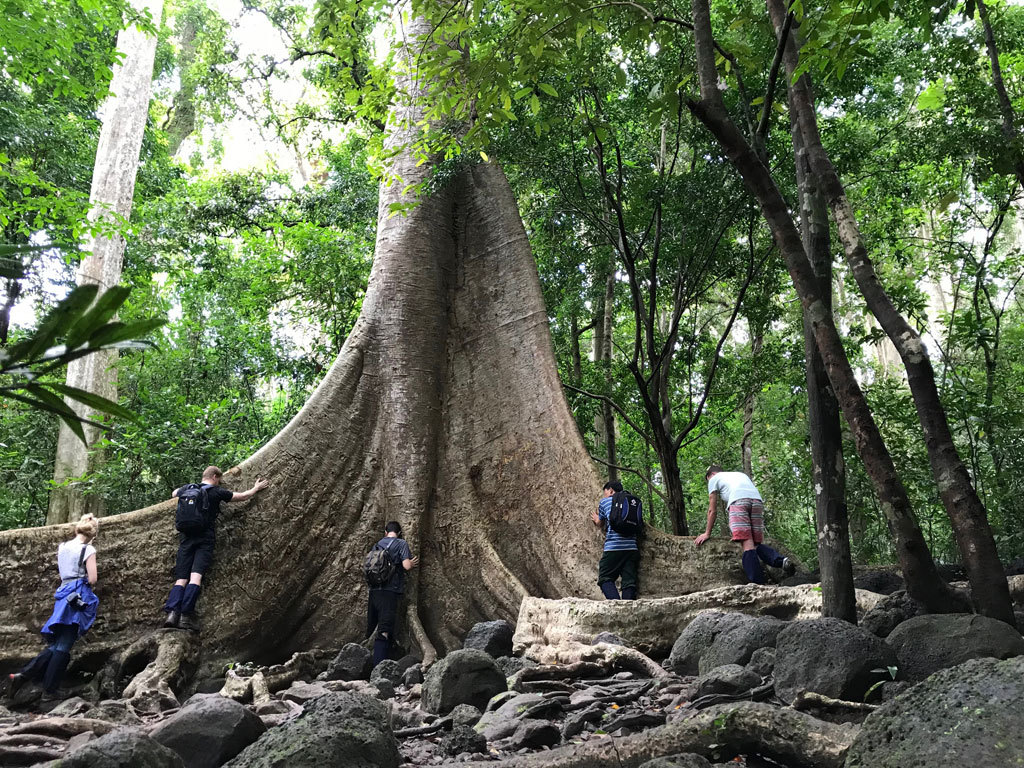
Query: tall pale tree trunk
[967, 514]
[838, 598]
[920, 573]
[113, 187]
[443, 411]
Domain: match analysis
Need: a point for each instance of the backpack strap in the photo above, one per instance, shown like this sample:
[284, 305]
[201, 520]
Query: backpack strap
[81, 560]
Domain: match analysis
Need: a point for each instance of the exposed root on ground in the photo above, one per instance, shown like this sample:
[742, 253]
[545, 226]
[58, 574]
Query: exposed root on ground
[171, 657]
[720, 733]
[604, 656]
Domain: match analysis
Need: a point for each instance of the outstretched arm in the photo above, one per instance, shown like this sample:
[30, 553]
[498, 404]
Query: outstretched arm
[712, 514]
[409, 564]
[258, 486]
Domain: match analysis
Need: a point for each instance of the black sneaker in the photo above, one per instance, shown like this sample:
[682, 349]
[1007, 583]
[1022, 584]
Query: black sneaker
[173, 620]
[788, 566]
[14, 682]
[189, 621]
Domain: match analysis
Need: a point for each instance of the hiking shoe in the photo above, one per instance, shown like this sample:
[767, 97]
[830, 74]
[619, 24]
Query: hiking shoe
[190, 622]
[173, 620]
[14, 682]
[788, 566]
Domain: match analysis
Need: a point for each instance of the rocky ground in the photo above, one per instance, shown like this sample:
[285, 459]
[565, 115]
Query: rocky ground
[739, 686]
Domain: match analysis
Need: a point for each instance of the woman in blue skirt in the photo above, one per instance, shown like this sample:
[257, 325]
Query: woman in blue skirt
[74, 611]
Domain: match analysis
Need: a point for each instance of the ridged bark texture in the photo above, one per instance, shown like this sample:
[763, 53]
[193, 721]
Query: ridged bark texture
[113, 187]
[443, 411]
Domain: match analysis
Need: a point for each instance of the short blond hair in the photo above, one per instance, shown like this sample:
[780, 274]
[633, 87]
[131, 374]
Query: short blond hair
[88, 526]
[212, 472]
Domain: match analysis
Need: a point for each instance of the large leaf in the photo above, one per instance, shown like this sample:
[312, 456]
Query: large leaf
[94, 401]
[103, 310]
[52, 405]
[58, 323]
[112, 333]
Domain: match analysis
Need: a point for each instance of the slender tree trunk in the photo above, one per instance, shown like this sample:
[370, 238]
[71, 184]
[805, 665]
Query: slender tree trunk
[747, 441]
[182, 119]
[668, 458]
[606, 328]
[574, 348]
[920, 573]
[113, 187]
[823, 418]
[989, 589]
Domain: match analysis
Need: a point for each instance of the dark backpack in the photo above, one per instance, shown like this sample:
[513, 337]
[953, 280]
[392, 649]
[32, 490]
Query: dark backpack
[626, 517]
[379, 566]
[193, 513]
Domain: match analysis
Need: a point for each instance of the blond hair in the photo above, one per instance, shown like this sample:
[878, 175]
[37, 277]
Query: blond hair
[88, 527]
[212, 472]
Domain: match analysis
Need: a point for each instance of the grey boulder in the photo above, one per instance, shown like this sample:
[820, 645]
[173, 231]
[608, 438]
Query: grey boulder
[463, 740]
[532, 734]
[492, 637]
[889, 612]
[123, 748]
[208, 731]
[831, 657]
[698, 637]
[967, 715]
[730, 679]
[336, 729]
[737, 644]
[353, 662]
[926, 644]
[468, 676]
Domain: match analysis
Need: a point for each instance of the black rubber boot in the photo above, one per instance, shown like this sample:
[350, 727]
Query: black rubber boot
[173, 620]
[14, 683]
[189, 621]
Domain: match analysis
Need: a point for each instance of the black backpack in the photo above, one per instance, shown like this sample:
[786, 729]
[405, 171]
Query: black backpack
[193, 513]
[626, 517]
[379, 566]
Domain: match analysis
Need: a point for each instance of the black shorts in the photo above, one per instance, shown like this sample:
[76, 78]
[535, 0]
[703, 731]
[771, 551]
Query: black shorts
[381, 612]
[195, 553]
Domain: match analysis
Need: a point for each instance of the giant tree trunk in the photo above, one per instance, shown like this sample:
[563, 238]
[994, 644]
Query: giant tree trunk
[604, 325]
[443, 411]
[113, 187]
[836, 563]
[920, 573]
[966, 512]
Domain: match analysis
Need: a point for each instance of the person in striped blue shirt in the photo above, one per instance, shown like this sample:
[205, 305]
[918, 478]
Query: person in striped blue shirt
[621, 556]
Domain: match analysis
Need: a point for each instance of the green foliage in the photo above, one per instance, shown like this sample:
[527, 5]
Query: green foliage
[84, 321]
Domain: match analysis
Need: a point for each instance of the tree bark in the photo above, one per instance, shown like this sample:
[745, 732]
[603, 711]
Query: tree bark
[181, 121]
[920, 573]
[832, 524]
[113, 187]
[747, 441]
[443, 411]
[966, 512]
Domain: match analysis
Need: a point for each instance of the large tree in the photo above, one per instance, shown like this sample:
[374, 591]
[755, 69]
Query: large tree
[443, 411]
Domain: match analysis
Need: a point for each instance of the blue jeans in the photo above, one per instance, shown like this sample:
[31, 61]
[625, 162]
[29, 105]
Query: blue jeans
[64, 637]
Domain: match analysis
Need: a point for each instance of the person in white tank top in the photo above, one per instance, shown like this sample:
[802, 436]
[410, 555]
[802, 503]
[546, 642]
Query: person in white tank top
[74, 611]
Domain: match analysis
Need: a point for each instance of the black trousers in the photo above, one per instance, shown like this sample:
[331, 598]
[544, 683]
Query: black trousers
[382, 612]
[624, 563]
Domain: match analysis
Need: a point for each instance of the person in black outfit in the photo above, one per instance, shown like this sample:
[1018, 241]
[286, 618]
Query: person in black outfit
[383, 605]
[195, 551]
